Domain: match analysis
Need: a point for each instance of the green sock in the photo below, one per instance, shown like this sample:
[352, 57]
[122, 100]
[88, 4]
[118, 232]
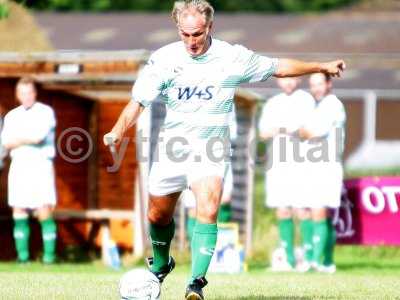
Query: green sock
[320, 236]
[49, 236]
[190, 223]
[224, 213]
[330, 244]
[21, 237]
[161, 237]
[203, 246]
[286, 233]
[306, 229]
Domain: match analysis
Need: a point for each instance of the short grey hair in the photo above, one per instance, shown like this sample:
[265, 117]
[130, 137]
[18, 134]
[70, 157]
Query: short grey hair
[201, 6]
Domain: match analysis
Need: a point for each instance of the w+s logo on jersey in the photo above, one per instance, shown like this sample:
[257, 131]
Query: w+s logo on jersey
[187, 93]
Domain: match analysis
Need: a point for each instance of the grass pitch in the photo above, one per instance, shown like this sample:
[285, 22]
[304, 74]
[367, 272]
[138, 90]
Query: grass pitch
[358, 278]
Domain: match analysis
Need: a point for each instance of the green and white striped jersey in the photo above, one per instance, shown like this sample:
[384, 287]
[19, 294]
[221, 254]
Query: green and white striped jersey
[199, 91]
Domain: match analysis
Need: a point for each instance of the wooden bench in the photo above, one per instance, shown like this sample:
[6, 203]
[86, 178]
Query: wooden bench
[100, 220]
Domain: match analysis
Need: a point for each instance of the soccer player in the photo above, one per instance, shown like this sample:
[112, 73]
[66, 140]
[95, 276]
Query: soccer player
[325, 130]
[28, 133]
[196, 77]
[281, 117]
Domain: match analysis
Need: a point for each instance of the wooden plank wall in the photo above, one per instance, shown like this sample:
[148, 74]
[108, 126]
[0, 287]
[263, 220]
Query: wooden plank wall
[115, 190]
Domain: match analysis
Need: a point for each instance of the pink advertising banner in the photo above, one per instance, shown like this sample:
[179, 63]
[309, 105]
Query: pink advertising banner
[370, 212]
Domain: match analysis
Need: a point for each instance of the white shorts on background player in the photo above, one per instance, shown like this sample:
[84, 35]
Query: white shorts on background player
[198, 93]
[31, 179]
[283, 178]
[325, 178]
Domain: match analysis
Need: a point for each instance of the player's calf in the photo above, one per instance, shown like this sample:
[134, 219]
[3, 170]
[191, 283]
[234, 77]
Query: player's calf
[21, 235]
[163, 272]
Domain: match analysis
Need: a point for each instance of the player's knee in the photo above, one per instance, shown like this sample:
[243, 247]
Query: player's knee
[158, 217]
[284, 213]
[208, 212]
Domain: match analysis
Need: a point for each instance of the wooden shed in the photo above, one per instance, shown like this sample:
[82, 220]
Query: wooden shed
[88, 90]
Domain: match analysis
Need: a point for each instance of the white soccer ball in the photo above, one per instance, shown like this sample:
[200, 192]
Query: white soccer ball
[139, 284]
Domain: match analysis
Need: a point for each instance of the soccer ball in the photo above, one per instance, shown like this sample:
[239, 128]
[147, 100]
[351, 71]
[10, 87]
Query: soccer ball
[139, 284]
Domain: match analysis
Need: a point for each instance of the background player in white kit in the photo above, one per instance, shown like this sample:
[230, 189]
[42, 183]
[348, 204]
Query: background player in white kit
[196, 78]
[282, 116]
[28, 133]
[326, 129]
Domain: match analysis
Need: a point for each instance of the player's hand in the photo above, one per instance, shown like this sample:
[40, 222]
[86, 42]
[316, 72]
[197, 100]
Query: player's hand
[111, 139]
[334, 68]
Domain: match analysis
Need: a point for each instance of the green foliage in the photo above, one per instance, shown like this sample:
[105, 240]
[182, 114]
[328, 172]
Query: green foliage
[4, 11]
[158, 5]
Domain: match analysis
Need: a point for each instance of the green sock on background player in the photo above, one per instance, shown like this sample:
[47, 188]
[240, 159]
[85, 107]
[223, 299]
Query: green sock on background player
[190, 223]
[320, 237]
[21, 237]
[330, 244]
[161, 237]
[49, 236]
[306, 230]
[203, 246]
[224, 213]
[286, 234]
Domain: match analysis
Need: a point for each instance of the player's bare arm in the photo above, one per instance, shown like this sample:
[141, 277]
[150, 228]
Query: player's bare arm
[292, 68]
[15, 143]
[269, 134]
[126, 120]
[305, 134]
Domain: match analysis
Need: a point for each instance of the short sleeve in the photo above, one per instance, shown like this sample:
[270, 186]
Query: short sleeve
[255, 67]
[46, 125]
[6, 131]
[268, 117]
[327, 117]
[149, 83]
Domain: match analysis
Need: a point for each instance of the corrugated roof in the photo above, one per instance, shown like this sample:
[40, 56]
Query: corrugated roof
[331, 33]
[368, 42]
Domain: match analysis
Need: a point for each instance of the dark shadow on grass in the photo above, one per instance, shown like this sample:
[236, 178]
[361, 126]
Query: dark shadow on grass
[368, 265]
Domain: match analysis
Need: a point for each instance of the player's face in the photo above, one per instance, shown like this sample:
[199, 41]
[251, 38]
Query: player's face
[26, 94]
[319, 86]
[194, 32]
[288, 84]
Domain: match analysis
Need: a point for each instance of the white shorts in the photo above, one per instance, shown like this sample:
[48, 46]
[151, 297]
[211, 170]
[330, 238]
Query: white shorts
[279, 187]
[31, 183]
[190, 201]
[168, 176]
[325, 181]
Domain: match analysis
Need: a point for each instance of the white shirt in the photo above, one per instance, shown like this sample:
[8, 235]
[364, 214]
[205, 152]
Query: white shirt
[38, 122]
[199, 91]
[289, 112]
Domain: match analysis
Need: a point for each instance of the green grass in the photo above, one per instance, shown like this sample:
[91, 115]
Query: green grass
[358, 278]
